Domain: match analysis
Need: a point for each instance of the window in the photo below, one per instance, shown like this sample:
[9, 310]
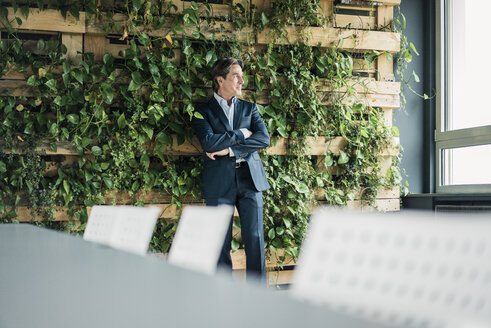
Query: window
[463, 131]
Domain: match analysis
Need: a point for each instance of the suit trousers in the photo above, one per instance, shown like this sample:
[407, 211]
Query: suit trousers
[249, 203]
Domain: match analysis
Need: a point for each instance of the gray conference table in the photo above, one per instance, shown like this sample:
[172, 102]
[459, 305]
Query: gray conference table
[51, 279]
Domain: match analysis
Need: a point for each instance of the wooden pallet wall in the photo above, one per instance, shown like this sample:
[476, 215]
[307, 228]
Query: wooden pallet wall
[363, 27]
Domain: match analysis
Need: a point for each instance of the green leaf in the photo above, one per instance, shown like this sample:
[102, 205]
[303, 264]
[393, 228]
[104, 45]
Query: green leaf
[53, 129]
[136, 4]
[73, 118]
[86, 142]
[107, 93]
[96, 150]
[133, 86]
[209, 56]
[287, 222]
[121, 122]
[52, 85]
[41, 44]
[163, 138]
[108, 182]
[416, 77]
[288, 179]
[271, 234]
[413, 48]
[32, 80]
[78, 75]
[234, 245]
[187, 90]
[154, 70]
[198, 115]
[395, 131]
[25, 11]
[66, 186]
[3, 167]
[301, 187]
[4, 13]
[262, 63]
[145, 160]
[264, 19]
[148, 130]
[343, 158]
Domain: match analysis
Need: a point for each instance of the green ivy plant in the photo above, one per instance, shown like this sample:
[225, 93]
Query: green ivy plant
[122, 113]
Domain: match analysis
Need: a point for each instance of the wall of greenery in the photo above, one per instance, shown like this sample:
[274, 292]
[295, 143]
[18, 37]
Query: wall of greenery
[121, 115]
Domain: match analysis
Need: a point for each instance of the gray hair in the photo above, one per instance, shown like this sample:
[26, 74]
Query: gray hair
[222, 68]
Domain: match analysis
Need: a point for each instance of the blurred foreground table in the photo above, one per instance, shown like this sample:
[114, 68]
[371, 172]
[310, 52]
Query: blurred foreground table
[51, 279]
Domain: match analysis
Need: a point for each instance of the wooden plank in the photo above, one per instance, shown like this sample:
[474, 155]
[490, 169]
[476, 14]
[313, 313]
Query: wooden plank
[262, 5]
[16, 88]
[363, 85]
[74, 45]
[48, 20]
[281, 277]
[387, 117]
[216, 10]
[362, 66]
[356, 5]
[333, 37]
[383, 205]
[382, 194]
[385, 68]
[385, 17]
[217, 28]
[394, 149]
[326, 98]
[169, 211]
[24, 214]
[374, 2]
[326, 7]
[315, 146]
[239, 259]
[318, 146]
[371, 100]
[14, 74]
[352, 21]
[389, 193]
[360, 85]
[95, 44]
[390, 2]
[273, 278]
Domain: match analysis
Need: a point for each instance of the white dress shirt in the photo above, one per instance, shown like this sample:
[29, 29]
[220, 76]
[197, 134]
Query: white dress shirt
[229, 113]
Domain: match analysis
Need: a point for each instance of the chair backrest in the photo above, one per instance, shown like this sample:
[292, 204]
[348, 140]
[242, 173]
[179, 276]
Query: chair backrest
[127, 228]
[406, 269]
[199, 237]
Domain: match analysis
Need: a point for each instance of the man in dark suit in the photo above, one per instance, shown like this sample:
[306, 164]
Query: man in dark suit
[231, 132]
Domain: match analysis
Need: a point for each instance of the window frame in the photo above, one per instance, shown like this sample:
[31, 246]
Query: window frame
[454, 138]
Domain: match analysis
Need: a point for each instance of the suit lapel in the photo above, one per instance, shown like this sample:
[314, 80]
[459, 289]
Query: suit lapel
[218, 112]
[237, 113]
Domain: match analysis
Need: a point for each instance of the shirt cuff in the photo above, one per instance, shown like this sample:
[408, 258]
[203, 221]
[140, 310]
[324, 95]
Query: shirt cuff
[246, 133]
[231, 152]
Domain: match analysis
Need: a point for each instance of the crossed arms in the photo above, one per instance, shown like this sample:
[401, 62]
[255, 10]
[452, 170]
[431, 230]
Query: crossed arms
[218, 144]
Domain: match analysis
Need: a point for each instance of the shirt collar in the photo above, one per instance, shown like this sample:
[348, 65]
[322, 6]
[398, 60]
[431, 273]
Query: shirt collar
[222, 102]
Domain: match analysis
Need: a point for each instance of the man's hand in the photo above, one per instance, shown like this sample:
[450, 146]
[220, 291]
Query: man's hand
[222, 152]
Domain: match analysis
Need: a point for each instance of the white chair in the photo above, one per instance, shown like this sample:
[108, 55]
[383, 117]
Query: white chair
[127, 228]
[199, 237]
[406, 269]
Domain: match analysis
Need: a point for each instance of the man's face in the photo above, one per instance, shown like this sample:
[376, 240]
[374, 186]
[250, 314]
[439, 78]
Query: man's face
[231, 86]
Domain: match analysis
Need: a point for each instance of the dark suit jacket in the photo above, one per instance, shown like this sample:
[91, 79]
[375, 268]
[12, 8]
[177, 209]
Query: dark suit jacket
[215, 133]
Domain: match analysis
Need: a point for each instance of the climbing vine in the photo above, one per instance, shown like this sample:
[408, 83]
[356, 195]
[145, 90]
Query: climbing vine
[123, 114]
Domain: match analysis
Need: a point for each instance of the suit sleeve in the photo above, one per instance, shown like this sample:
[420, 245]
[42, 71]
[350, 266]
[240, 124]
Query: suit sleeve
[259, 139]
[210, 141]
